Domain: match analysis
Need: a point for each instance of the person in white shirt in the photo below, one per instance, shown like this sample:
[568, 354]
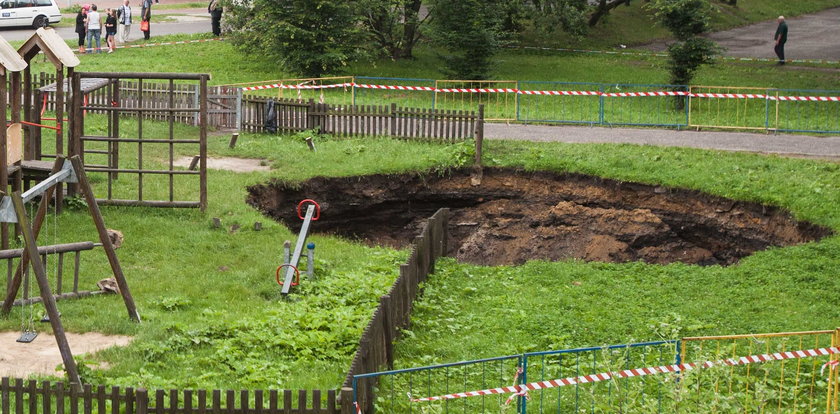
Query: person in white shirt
[93, 22]
[124, 20]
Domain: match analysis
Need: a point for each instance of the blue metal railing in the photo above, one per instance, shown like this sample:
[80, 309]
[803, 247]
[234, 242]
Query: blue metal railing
[392, 391]
[811, 116]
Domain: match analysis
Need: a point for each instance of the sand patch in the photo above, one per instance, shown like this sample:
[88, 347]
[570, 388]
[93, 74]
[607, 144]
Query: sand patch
[41, 356]
[228, 163]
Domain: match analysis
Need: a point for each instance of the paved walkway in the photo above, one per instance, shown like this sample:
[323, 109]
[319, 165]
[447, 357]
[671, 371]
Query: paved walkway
[826, 147]
[810, 36]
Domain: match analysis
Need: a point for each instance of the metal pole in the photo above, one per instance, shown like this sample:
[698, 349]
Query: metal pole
[310, 261]
[287, 248]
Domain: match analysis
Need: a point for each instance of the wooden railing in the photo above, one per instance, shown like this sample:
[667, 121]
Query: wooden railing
[376, 347]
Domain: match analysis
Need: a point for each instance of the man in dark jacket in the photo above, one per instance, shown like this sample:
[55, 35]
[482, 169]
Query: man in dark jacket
[215, 10]
[781, 38]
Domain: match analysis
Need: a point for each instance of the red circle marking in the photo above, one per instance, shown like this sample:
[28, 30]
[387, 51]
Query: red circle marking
[317, 209]
[297, 275]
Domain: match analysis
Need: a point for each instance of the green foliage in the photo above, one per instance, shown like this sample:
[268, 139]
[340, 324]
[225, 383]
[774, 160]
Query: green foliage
[395, 26]
[687, 20]
[468, 33]
[684, 18]
[560, 16]
[687, 56]
[308, 37]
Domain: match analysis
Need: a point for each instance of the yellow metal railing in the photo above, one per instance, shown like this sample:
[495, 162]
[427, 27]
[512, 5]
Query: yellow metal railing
[499, 104]
[717, 107]
[789, 386]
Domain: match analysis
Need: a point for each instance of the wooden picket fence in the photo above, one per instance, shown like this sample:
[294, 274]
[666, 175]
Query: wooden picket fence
[222, 100]
[376, 347]
[19, 396]
[295, 115]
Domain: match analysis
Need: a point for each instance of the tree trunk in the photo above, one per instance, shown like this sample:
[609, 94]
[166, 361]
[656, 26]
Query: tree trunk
[411, 11]
[603, 9]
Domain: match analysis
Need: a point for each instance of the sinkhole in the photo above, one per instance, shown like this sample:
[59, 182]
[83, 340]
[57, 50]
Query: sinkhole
[514, 216]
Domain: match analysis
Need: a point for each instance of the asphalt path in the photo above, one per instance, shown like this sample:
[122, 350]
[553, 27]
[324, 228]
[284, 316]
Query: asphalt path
[821, 147]
[811, 36]
[188, 24]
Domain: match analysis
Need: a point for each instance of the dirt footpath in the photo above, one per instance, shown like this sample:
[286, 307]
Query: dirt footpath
[811, 36]
[41, 356]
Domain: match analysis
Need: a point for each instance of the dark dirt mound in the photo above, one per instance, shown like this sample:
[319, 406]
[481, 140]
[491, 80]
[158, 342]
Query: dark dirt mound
[514, 216]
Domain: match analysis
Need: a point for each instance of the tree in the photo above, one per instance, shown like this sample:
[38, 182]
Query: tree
[307, 37]
[568, 15]
[394, 25]
[687, 20]
[469, 34]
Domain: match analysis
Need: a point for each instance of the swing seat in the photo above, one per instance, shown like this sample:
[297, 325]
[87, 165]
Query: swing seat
[27, 337]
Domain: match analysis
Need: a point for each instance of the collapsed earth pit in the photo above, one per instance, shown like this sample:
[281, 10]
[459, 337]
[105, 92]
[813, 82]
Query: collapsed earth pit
[514, 216]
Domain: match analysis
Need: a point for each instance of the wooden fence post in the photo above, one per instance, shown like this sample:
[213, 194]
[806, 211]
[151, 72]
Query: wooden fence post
[346, 401]
[479, 134]
[142, 405]
[310, 118]
[387, 330]
[393, 130]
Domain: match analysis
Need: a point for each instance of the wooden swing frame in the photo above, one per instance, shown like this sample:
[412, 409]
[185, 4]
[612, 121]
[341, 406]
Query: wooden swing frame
[12, 210]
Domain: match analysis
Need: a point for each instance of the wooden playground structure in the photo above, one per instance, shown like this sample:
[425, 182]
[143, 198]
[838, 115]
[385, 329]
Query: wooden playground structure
[29, 171]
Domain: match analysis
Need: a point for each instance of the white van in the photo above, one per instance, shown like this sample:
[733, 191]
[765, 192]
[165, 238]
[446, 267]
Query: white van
[35, 13]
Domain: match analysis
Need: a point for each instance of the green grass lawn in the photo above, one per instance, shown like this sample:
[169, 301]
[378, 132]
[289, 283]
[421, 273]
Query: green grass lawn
[213, 317]
[211, 309]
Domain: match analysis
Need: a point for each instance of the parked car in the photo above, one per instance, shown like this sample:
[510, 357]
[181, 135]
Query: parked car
[35, 13]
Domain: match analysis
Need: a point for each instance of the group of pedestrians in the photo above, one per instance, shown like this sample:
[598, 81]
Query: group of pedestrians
[90, 24]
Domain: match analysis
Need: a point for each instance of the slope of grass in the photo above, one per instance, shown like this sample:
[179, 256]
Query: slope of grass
[635, 25]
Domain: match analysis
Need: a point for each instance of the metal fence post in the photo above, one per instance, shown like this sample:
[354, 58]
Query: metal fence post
[353, 89]
[523, 379]
[517, 101]
[601, 104]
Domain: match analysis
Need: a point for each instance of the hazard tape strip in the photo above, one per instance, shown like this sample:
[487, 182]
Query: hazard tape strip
[298, 86]
[141, 45]
[629, 373]
[548, 93]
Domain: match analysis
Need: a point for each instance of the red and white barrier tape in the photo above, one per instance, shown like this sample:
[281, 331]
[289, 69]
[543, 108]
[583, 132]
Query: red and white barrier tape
[604, 376]
[298, 86]
[179, 42]
[548, 93]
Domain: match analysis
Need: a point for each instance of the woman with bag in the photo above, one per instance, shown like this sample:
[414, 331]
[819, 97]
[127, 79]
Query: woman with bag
[145, 18]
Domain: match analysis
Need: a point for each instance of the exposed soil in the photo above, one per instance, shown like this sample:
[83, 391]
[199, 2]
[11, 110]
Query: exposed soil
[41, 356]
[514, 216]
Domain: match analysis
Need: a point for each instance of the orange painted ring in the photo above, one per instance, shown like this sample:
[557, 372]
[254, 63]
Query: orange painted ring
[297, 275]
[317, 209]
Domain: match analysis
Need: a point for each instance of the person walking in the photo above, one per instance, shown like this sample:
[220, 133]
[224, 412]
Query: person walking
[124, 19]
[146, 19]
[781, 38]
[93, 23]
[215, 10]
[81, 27]
[111, 30]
